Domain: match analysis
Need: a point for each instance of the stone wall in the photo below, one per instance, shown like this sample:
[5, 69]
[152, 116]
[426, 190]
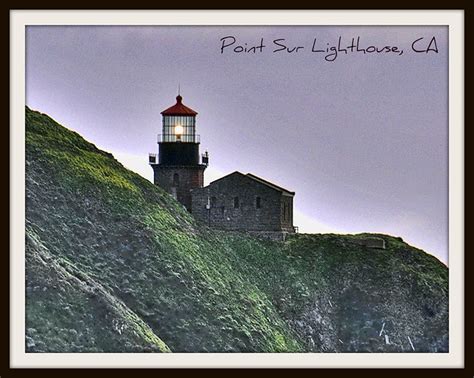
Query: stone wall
[370, 242]
[286, 213]
[270, 235]
[239, 203]
[179, 180]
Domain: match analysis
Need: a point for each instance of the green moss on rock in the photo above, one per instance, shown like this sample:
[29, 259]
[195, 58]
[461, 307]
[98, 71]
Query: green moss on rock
[115, 264]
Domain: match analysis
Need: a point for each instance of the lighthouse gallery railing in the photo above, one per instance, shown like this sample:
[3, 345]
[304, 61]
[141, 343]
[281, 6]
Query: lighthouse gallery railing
[184, 138]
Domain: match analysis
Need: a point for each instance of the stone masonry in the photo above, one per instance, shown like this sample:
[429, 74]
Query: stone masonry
[244, 202]
[179, 180]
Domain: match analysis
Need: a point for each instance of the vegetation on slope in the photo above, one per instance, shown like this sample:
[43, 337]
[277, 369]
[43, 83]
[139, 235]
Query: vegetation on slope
[116, 264]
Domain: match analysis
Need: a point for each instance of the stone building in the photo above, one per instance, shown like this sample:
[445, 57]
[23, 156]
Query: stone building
[238, 202]
[244, 202]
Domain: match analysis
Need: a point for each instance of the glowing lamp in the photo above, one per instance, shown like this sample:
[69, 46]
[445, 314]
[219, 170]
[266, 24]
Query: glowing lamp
[178, 130]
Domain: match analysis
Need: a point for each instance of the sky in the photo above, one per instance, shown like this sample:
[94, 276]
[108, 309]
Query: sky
[362, 138]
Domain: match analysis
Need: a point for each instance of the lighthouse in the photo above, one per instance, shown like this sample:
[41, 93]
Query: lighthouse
[179, 168]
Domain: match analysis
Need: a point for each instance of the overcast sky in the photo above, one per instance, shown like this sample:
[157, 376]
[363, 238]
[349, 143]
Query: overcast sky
[362, 138]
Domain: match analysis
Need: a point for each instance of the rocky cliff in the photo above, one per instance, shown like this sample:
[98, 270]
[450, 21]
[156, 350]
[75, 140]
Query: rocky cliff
[115, 264]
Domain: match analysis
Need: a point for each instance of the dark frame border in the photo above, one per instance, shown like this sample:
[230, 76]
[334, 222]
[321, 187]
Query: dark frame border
[467, 371]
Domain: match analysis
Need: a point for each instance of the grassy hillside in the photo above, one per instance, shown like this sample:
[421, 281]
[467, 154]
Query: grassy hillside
[116, 264]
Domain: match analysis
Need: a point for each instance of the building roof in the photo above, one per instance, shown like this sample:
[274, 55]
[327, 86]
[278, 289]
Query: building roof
[259, 180]
[179, 109]
[268, 183]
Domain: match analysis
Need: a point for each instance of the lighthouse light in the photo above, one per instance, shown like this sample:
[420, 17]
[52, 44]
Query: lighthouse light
[178, 130]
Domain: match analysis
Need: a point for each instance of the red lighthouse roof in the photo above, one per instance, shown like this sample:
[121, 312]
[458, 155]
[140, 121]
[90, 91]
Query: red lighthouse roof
[179, 109]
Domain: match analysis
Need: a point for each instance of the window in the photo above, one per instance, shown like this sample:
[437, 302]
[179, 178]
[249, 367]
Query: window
[284, 211]
[236, 202]
[175, 179]
[258, 202]
[213, 201]
[186, 122]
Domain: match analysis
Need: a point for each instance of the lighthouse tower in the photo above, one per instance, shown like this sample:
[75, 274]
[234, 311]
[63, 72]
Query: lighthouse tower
[179, 168]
